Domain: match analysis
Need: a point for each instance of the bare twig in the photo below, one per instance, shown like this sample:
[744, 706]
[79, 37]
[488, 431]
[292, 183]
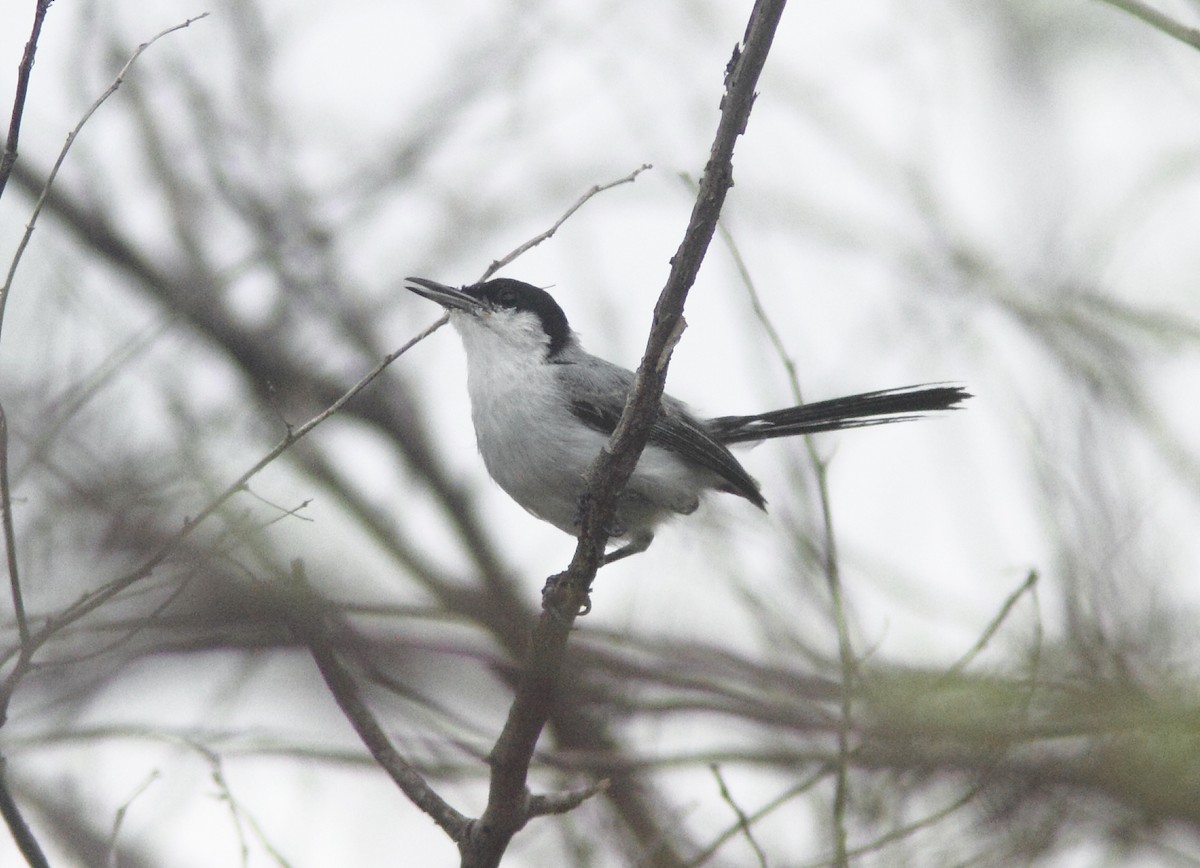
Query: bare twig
[561, 803]
[567, 592]
[119, 819]
[847, 661]
[536, 240]
[24, 71]
[1159, 21]
[907, 830]
[1025, 587]
[497, 264]
[93, 600]
[743, 822]
[13, 818]
[239, 815]
[533, 242]
[760, 311]
[10, 537]
[62, 156]
[71, 401]
[783, 798]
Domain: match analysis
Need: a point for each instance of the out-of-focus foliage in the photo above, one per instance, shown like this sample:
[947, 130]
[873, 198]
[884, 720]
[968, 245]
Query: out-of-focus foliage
[1001, 194]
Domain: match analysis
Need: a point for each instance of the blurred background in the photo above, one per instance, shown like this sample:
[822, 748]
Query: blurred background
[1004, 195]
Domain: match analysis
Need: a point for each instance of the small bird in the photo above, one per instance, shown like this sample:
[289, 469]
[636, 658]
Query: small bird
[543, 407]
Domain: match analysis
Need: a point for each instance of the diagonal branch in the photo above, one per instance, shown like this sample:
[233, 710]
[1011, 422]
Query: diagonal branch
[23, 836]
[567, 593]
[6, 289]
[24, 72]
[93, 600]
[608, 476]
[595, 190]
[308, 620]
[1158, 20]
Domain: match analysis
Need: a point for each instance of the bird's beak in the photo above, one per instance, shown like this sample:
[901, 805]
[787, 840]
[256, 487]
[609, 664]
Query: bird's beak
[449, 297]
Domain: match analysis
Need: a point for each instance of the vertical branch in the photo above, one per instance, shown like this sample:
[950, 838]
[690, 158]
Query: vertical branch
[9, 810]
[7, 160]
[846, 660]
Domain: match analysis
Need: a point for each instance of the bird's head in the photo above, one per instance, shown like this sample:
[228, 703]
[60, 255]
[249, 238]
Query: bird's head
[502, 315]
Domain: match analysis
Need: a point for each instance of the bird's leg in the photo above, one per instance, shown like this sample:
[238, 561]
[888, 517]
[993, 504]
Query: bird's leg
[637, 544]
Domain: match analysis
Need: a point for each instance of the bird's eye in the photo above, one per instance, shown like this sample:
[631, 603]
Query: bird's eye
[507, 298]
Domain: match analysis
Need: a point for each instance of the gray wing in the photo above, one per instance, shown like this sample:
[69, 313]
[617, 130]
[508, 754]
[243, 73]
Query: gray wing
[597, 398]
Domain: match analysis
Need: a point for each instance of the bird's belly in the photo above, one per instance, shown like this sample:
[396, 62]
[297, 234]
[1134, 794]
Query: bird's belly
[541, 466]
[540, 453]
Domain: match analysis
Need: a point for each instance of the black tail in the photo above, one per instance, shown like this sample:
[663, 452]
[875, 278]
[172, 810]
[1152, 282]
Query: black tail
[853, 411]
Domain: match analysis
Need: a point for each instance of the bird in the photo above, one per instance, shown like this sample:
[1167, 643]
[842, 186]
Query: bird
[543, 408]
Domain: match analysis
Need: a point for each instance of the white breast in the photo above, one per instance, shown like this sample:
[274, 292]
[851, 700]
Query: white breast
[537, 450]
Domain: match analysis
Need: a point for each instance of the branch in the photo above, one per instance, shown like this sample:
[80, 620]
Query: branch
[743, 821]
[309, 623]
[22, 834]
[24, 71]
[847, 662]
[62, 156]
[596, 190]
[567, 593]
[10, 537]
[8, 807]
[562, 803]
[93, 600]
[1159, 21]
[608, 476]
[526, 246]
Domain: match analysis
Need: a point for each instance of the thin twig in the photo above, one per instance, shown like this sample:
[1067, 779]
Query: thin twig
[567, 593]
[743, 822]
[497, 264]
[760, 311]
[779, 801]
[906, 830]
[10, 537]
[24, 72]
[847, 661]
[72, 400]
[994, 625]
[119, 819]
[62, 156]
[1159, 21]
[533, 242]
[93, 600]
[560, 803]
[309, 622]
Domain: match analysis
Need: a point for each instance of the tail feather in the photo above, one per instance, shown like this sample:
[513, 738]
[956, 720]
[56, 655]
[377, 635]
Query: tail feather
[853, 411]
